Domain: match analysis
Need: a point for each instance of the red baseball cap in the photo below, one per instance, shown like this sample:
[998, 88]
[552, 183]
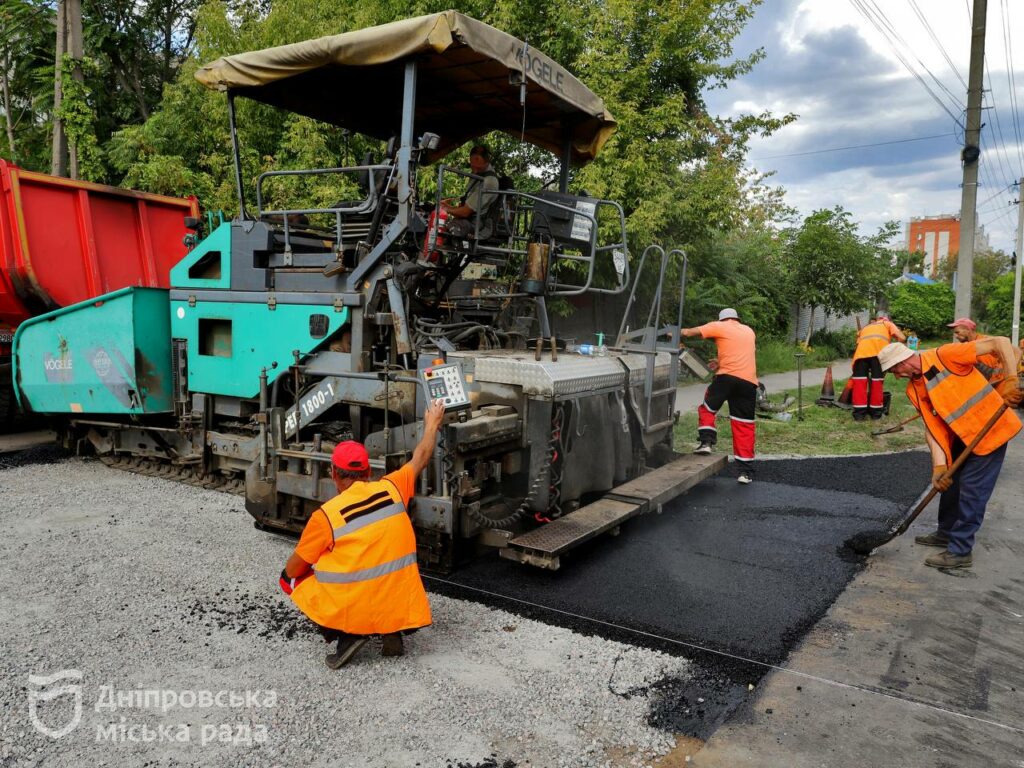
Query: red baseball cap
[351, 455]
[963, 322]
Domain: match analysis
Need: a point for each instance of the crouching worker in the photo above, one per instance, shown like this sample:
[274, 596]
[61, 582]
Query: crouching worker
[354, 572]
[956, 402]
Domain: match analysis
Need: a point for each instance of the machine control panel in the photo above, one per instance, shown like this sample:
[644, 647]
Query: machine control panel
[446, 382]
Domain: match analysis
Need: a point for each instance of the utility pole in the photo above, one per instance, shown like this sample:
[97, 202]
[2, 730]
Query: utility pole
[1018, 255]
[970, 155]
[58, 162]
[69, 40]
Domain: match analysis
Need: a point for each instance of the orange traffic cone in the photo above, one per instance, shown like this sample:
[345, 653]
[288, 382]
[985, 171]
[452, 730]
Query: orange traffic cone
[828, 389]
[846, 397]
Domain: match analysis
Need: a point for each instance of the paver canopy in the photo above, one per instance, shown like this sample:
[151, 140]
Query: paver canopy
[464, 84]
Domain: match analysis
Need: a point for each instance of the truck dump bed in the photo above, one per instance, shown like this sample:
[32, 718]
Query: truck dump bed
[64, 241]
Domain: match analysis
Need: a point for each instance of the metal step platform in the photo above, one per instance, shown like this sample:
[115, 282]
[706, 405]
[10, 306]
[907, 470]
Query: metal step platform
[544, 546]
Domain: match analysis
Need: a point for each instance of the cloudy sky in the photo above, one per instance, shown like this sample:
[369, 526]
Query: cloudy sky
[829, 65]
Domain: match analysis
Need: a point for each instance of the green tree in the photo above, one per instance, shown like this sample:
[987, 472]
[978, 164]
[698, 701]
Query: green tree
[828, 264]
[26, 81]
[909, 261]
[926, 309]
[676, 169]
[999, 306]
[989, 265]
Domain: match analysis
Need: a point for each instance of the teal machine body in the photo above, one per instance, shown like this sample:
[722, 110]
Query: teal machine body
[109, 355]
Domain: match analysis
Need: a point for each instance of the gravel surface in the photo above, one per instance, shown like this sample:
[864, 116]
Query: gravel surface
[164, 598]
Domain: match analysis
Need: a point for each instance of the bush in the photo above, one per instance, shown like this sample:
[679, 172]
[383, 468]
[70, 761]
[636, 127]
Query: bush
[842, 342]
[999, 307]
[925, 308]
[779, 355]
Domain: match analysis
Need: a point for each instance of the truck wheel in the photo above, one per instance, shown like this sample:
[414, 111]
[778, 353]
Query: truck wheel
[8, 408]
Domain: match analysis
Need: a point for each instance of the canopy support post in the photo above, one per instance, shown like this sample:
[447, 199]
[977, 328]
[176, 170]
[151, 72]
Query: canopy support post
[405, 150]
[563, 173]
[405, 186]
[236, 155]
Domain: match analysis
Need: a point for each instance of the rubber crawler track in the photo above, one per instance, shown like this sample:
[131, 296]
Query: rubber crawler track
[187, 475]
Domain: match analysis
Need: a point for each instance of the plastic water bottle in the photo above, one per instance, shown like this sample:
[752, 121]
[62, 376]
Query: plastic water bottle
[591, 350]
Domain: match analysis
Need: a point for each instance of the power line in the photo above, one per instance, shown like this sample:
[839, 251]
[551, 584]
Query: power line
[1006, 175]
[894, 32]
[994, 195]
[999, 123]
[1011, 78]
[853, 146]
[938, 44]
[867, 14]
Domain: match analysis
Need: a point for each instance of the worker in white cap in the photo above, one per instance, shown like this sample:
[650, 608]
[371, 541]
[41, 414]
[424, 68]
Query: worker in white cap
[955, 402]
[735, 382]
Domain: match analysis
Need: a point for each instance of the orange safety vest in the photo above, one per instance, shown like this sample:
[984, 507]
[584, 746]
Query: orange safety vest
[871, 339]
[368, 582]
[961, 404]
[990, 365]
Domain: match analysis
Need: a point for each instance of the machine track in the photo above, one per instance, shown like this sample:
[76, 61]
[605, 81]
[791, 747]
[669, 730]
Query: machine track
[181, 474]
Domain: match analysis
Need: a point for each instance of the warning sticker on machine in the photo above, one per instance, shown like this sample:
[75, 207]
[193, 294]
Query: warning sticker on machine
[581, 225]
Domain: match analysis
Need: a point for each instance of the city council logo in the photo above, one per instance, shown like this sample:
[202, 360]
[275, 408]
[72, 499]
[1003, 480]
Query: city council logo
[49, 687]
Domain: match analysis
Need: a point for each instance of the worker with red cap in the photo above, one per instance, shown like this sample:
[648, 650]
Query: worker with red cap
[956, 402]
[354, 572]
[965, 330]
[867, 383]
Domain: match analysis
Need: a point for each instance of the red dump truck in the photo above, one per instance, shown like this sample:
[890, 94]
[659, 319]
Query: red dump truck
[64, 241]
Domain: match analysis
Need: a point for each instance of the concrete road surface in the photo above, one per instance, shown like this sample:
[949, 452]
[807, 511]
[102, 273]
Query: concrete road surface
[912, 666]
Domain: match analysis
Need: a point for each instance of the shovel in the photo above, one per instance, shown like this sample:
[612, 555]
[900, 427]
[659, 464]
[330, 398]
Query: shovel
[863, 543]
[898, 428]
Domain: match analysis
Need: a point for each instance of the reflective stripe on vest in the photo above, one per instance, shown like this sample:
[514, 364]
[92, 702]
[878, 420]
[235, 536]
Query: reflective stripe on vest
[367, 517]
[971, 402]
[933, 382]
[366, 574]
[988, 371]
[871, 339]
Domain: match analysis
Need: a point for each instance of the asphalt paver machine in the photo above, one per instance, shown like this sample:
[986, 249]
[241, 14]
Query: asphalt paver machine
[292, 327]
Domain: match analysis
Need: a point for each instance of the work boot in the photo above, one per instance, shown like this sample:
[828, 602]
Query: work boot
[859, 416]
[745, 478]
[948, 560]
[704, 449]
[876, 416]
[392, 645]
[348, 646]
[933, 539]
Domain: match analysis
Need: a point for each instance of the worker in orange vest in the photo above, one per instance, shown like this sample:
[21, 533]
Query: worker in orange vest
[868, 380]
[955, 402]
[965, 329]
[354, 572]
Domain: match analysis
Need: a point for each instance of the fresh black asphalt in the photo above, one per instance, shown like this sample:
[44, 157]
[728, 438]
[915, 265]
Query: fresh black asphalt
[743, 570]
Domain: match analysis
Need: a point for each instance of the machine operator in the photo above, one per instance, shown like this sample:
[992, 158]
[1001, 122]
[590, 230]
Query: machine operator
[354, 572]
[481, 195]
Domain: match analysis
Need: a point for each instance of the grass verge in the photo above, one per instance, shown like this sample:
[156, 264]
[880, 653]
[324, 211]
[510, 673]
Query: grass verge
[823, 431]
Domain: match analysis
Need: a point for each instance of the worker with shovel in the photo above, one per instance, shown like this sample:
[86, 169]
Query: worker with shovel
[959, 407]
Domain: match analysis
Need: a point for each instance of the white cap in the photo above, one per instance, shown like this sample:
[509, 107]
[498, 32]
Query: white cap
[728, 314]
[892, 354]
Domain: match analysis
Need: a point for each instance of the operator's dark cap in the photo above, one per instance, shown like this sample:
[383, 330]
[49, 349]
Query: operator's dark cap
[351, 455]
